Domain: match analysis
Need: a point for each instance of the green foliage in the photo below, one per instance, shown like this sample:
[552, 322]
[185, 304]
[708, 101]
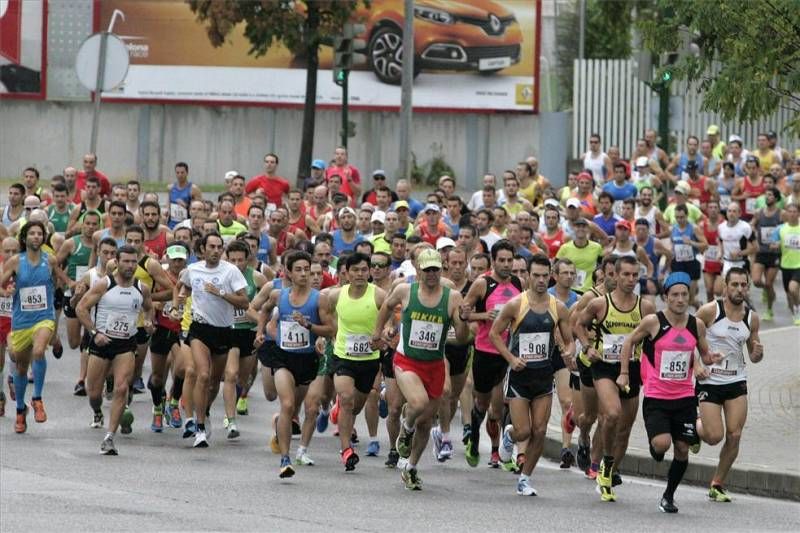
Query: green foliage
[749, 61]
[268, 22]
[433, 169]
[608, 36]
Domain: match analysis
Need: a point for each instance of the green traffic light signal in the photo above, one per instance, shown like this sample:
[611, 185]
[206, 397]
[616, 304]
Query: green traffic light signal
[666, 76]
[340, 76]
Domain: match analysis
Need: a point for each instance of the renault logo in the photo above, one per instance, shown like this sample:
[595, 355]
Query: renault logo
[494, 23]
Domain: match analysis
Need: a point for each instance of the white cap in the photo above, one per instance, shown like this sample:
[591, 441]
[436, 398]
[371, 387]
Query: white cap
[444, 242]
[642, 161]
[229, 175]
[573, 202]
[734, 138]
[551, 201]
[347, 209]
[378, 216]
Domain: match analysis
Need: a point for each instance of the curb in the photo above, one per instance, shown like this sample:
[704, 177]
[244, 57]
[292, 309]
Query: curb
[749, 481]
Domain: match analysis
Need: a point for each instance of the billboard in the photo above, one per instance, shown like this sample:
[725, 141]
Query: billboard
[476, 55]
[22, 48]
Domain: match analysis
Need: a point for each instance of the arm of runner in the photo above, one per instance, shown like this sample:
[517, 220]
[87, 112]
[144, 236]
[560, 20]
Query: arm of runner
[567, 339]
[706, 355]
[476, 291]
[641, 255]
[149, 310]
[500, 325]
[754, 346]
[88, 301]
[461, 327]
[156, 272]
[63, 253]
[394, 298]
[324, 328]
[265, 312]
[646, 328]
[79, 290]
[585, 319]
[179, 294]
[332, 295]
[9, 267]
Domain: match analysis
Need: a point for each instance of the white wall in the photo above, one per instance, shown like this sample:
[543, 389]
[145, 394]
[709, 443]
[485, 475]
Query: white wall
[213, 140]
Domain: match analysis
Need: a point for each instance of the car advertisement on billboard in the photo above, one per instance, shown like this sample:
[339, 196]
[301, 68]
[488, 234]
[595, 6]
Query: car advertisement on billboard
[470, 55]
[21, 48]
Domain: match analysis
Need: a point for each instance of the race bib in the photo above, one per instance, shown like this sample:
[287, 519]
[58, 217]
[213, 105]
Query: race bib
[294, 336]
[712, 253]
[612, 347]
[792, 242]
[768, 235]
[168, 309]
[33, 298]
[177, 213]
[80, 271]
[358, 345]
[120, 325]
[6, 303]
[724, 201]
[425, 335]
[684, 252]
[729, 366]
[451, 334]
[642, 271]
[617, 207]
[675, 365]
[271, 207]
[750, 205]
[240, 316]
[534, 347]
[580, 278]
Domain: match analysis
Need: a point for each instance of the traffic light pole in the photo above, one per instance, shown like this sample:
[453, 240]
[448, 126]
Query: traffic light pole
[345, 105]
[663, 116]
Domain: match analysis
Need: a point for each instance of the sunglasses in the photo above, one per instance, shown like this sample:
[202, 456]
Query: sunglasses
[379, 178]
[431, 269]
[379, 265]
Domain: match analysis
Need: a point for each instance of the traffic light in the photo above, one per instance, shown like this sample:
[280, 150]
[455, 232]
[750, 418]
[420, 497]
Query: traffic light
[345, 55]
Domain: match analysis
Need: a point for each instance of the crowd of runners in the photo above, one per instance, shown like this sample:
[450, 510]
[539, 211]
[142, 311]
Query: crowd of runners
[634, 280]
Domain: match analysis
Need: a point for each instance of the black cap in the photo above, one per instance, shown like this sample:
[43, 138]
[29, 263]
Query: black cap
[772, 135]
[581, 221]
[691, 165]
[642, 222]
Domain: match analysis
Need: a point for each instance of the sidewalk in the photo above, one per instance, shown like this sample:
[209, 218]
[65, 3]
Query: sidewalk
[769, 454]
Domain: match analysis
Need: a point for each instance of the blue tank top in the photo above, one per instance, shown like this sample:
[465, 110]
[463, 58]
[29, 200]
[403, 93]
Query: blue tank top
[679, 237]
[340, 246]
[291, 336]
[33, 297]
[277, 284]
[176, 194]
[263, 248]
[685, 159]
[650, 250]
[572, 300]
[107, 233]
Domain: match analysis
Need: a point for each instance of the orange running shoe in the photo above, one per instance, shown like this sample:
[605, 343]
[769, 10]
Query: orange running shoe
[335, 411]
[38, 411]
[21, 424]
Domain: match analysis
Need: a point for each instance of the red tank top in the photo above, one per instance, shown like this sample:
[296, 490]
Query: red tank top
[712, 236]
[300, 223]
[162, 317]
[553, 243]
[280, 247]
[158, 245]
[700, 192]
[752, 192]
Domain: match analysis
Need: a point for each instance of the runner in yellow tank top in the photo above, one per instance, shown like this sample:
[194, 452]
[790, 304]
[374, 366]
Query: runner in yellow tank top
[355, 361]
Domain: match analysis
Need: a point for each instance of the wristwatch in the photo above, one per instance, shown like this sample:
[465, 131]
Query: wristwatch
[94, 333]
[221, 292]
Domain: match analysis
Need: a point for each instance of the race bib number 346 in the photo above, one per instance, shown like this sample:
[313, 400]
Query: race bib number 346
[425, 335]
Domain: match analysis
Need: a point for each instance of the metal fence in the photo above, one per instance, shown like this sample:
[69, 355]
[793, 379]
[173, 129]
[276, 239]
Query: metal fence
[608, 99]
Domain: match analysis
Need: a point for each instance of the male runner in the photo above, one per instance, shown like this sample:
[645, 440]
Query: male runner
[764, 269]
[789, 246]
[722, 387]
[217, 288]
[428, 309]
[615, 316]
[533, 316]
[669, 408]
[484, 301]
[119, 298]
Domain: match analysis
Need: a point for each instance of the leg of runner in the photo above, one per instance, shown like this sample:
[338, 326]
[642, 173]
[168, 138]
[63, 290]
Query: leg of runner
[122, 366]
[610, 413]
[567, 425]
[735, 417]
[351, 401]
[447, 412]
[540, 415]
[372, 417]
[659, 445]
[41, 340]
[247, 372]
[288, 396]
[95, 380]
[419, 413]
[709, 280]
[395, 401]
[202, 366]
[630, 407]
[74, 338]
[158, 375]
[493, 418]
[521, 413]
[218, 363]
[586, 420]
[465, 401]
[143, 343]
[319, 393]
[268, 384]
[231, 378]
[189, 383]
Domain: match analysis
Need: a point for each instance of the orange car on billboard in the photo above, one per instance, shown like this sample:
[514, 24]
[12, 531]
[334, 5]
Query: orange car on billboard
[476, 35]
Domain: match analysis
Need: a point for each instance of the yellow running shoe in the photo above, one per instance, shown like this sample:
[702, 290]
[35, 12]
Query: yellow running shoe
[717, 494]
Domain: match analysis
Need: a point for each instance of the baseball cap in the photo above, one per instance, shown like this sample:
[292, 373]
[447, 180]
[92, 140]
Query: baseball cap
[366, 206]
[400, 204]
[585, 175]
[432, 207]
[676, 278]
[733, 138]
[318, 163]
[642, 161]
[574, 202]
[378, 216]
[444, 242]
[580, 221]
[772, 135]
[752, 159]
[622, 224]
[32, 202]
[429, 258]
[682, 188]
[176, 251]
[691, 165]
[379, 172]
[551, 201]
[229, 175]
[642, 222]
[712, 130]
[348, 209]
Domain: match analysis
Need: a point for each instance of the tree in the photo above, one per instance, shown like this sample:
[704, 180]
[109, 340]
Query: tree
[301, 26]
[749, 60]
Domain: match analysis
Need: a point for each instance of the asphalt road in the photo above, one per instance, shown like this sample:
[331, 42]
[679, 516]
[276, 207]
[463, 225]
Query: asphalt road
[53, 478]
